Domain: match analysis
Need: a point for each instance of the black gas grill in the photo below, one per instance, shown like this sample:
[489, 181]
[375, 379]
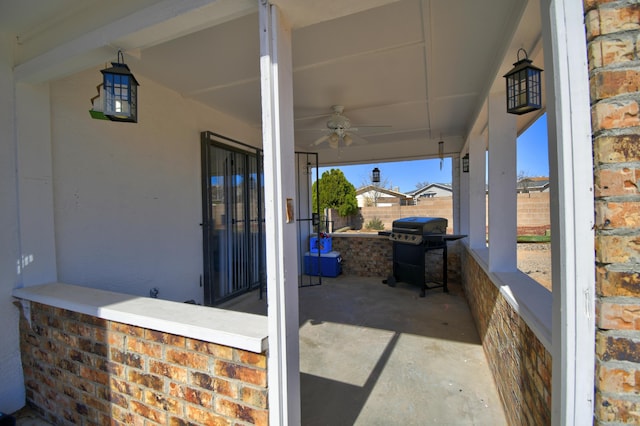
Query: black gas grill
[412, 237]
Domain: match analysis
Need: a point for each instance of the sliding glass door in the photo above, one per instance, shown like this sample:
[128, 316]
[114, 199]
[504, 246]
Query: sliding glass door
[233, 224]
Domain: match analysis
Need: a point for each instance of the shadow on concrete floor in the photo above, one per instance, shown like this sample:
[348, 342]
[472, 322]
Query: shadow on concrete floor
[371, 354]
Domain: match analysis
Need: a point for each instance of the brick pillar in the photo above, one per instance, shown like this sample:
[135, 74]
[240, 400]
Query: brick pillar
[613, 36]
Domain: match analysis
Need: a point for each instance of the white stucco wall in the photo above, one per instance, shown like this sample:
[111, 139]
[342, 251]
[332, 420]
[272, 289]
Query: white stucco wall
[37, 235]
[127, 197]
[12, 394]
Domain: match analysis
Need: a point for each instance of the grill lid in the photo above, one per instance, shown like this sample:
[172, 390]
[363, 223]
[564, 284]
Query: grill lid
[420, 225]
[411, 230]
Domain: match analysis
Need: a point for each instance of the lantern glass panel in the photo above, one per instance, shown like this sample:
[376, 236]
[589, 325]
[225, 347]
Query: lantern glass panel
[116, 93]
[534, 88]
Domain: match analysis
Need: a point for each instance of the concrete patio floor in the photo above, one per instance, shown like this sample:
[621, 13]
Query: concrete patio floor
[371, 354]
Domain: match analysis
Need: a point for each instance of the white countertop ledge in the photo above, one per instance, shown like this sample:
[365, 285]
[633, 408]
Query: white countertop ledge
[235, 329]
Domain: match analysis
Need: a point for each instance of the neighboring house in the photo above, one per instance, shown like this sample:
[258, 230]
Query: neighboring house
[533, 184]
[433, 190]
[374, 196]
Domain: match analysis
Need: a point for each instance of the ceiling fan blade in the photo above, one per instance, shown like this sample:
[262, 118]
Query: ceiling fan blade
[357, 139]
[382, 126]
[320, 140]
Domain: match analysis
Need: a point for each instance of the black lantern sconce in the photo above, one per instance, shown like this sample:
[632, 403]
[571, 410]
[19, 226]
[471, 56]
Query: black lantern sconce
[465, 163]
[375, 175]
[524, 87]
[119, 92]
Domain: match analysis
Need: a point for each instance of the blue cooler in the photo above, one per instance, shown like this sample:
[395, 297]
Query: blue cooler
[326, 264]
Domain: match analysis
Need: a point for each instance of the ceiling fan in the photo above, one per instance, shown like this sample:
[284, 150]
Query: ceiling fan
[339, 130]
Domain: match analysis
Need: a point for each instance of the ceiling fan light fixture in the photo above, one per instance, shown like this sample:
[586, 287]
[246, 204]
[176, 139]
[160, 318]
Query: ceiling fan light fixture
[334, 139]
[339, 130]
[337, 120]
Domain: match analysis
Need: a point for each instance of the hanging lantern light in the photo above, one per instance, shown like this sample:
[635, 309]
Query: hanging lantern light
[524, 88]
[120, 94]
[375, 175]
[441, 152]
[465, 163]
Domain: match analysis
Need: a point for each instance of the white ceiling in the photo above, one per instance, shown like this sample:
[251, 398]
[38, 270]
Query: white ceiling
[422, 67]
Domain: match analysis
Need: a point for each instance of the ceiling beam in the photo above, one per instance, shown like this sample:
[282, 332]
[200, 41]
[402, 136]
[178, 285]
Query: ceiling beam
[155, 24]
[425, 9]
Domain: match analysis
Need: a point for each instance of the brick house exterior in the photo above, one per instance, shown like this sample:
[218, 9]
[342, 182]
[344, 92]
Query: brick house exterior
[613, 35]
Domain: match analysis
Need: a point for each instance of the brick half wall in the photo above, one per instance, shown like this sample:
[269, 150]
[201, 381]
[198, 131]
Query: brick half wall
[520, 363]
[366, 255]
[84, 370]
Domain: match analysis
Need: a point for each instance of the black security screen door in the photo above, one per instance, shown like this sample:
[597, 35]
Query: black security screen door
[233, 218]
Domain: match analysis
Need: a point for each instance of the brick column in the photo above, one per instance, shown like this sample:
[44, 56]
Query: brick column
[613, 35]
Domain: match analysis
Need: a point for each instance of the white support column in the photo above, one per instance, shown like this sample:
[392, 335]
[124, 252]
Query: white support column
[572, 218]
[456, 172]
[37, 262]
[503, 201]
[280, 198]
[477, 192]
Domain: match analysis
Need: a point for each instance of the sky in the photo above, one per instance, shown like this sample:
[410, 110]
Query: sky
[532, 160]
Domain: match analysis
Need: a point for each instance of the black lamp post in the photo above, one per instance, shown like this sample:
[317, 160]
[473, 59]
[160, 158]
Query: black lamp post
[375, 175]
[465, 163]
[524, 87]
[120, 92]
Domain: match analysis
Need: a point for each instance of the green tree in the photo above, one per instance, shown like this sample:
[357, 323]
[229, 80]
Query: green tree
[336, 192]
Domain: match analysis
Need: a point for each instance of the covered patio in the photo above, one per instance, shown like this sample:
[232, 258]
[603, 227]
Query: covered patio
[100, 215]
